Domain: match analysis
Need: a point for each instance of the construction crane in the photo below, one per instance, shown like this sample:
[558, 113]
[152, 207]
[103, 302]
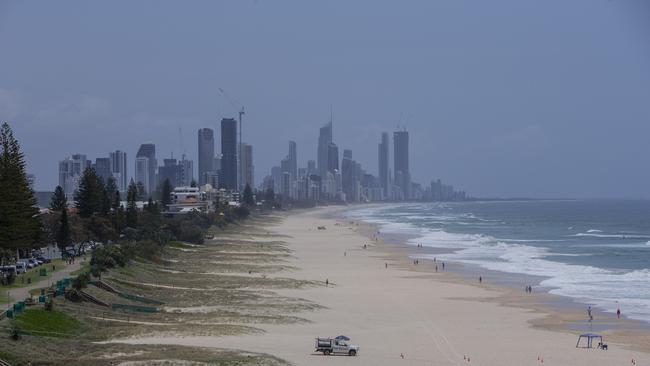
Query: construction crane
[241, 113]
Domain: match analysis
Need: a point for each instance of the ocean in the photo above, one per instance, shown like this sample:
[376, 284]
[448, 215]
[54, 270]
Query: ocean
[595, 252]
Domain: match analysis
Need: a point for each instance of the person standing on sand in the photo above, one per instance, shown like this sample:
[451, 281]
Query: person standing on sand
[386, 264]
[480, 279]
[591, 317]
[618, 313]
[436, 268]
[327, 282]
[443, 266]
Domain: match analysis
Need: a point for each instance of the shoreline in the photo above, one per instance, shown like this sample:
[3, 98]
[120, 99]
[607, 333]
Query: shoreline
[557, 313]
[395, 313]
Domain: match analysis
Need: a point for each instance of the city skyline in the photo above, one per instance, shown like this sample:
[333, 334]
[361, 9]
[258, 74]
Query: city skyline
[543, 93]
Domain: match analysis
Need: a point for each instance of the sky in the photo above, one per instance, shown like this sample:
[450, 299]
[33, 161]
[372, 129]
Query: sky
[512, 98]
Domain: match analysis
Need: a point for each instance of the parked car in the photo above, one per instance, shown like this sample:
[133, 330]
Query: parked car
[43, 259]
[21, 267]
[9, 269]
[33, 262]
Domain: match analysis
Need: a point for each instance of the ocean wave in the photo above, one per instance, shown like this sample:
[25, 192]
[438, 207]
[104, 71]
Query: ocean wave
[613, 236]
[605, 288]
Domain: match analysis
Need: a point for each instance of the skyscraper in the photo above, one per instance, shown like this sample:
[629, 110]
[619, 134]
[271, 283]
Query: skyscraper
[70, 171]
[142, 171]
[248, 170]
[228, 177]
[401, 162]
[187, 172]
[324, 140]
[170, 170]
[103, 168]
[206, 154]
[118, 169]
[147, 177]
[348, 176]
[332, 157]
[383, 164]
[293, 160]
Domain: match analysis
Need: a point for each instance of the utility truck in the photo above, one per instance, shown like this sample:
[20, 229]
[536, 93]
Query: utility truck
[338, 345]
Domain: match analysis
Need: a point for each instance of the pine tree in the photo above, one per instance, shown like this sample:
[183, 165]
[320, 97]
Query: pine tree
[131, 209]
[248, 196]
[19, 225]
[89, 198]
[63, 236]
[59, 201]
[111, 188]
[193, 183]
[106, 202]
[166, 194]
[141, 191]
[117, 200]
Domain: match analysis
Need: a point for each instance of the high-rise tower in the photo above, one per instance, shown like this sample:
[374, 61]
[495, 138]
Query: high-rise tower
[383, 158]
[206, 154]
[228, 178]
[147, 175]
[401, 162]
[324, 140]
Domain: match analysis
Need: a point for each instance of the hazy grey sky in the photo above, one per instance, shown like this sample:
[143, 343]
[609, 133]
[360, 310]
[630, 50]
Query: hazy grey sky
[502, 98]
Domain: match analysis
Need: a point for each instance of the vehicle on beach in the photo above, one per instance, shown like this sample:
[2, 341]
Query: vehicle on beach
[338, 345]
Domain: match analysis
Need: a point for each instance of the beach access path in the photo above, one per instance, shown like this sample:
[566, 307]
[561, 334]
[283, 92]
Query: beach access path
[398, 316]
[21, 293]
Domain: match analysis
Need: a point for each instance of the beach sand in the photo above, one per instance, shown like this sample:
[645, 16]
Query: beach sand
[429, 318]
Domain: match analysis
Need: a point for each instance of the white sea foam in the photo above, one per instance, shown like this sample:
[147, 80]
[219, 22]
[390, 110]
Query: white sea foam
[604, 288]
[613, 236]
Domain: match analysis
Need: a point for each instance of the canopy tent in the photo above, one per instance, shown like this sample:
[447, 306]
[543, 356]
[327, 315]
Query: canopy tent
[342, 338]
[590, 337]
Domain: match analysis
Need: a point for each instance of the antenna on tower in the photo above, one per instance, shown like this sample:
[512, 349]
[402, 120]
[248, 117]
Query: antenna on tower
[331, 113]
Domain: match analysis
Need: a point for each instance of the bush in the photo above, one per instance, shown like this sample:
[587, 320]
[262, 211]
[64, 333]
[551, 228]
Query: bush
[49, 305]
[14, 332]
[241, 212]
[81, 281]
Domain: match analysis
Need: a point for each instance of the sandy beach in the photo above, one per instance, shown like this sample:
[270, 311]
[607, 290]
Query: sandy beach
[428, 318]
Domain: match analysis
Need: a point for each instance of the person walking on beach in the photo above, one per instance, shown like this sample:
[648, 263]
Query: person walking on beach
[386, 264]
[443, 266]
[327, 282]
[480, 279]
[436, 268]
[591, 317]
[618, 313]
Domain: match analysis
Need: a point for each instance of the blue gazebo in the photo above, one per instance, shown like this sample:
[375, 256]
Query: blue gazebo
[590, 338]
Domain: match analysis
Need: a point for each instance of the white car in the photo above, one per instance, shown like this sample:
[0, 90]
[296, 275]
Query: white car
[21, 267]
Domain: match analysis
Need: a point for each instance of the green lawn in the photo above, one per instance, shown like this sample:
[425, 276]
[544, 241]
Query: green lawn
[48, 323]
[23, 279]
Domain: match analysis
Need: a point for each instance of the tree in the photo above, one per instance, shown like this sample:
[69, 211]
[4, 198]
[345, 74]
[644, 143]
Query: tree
[63, 235]
[19, 223]
[89, 199]
[166, 194]
[111, 187]
[193, 184]
[141, 191]
[249, 200]
[109, 197]
[131, 209]
[59, 201]
[117, 200]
